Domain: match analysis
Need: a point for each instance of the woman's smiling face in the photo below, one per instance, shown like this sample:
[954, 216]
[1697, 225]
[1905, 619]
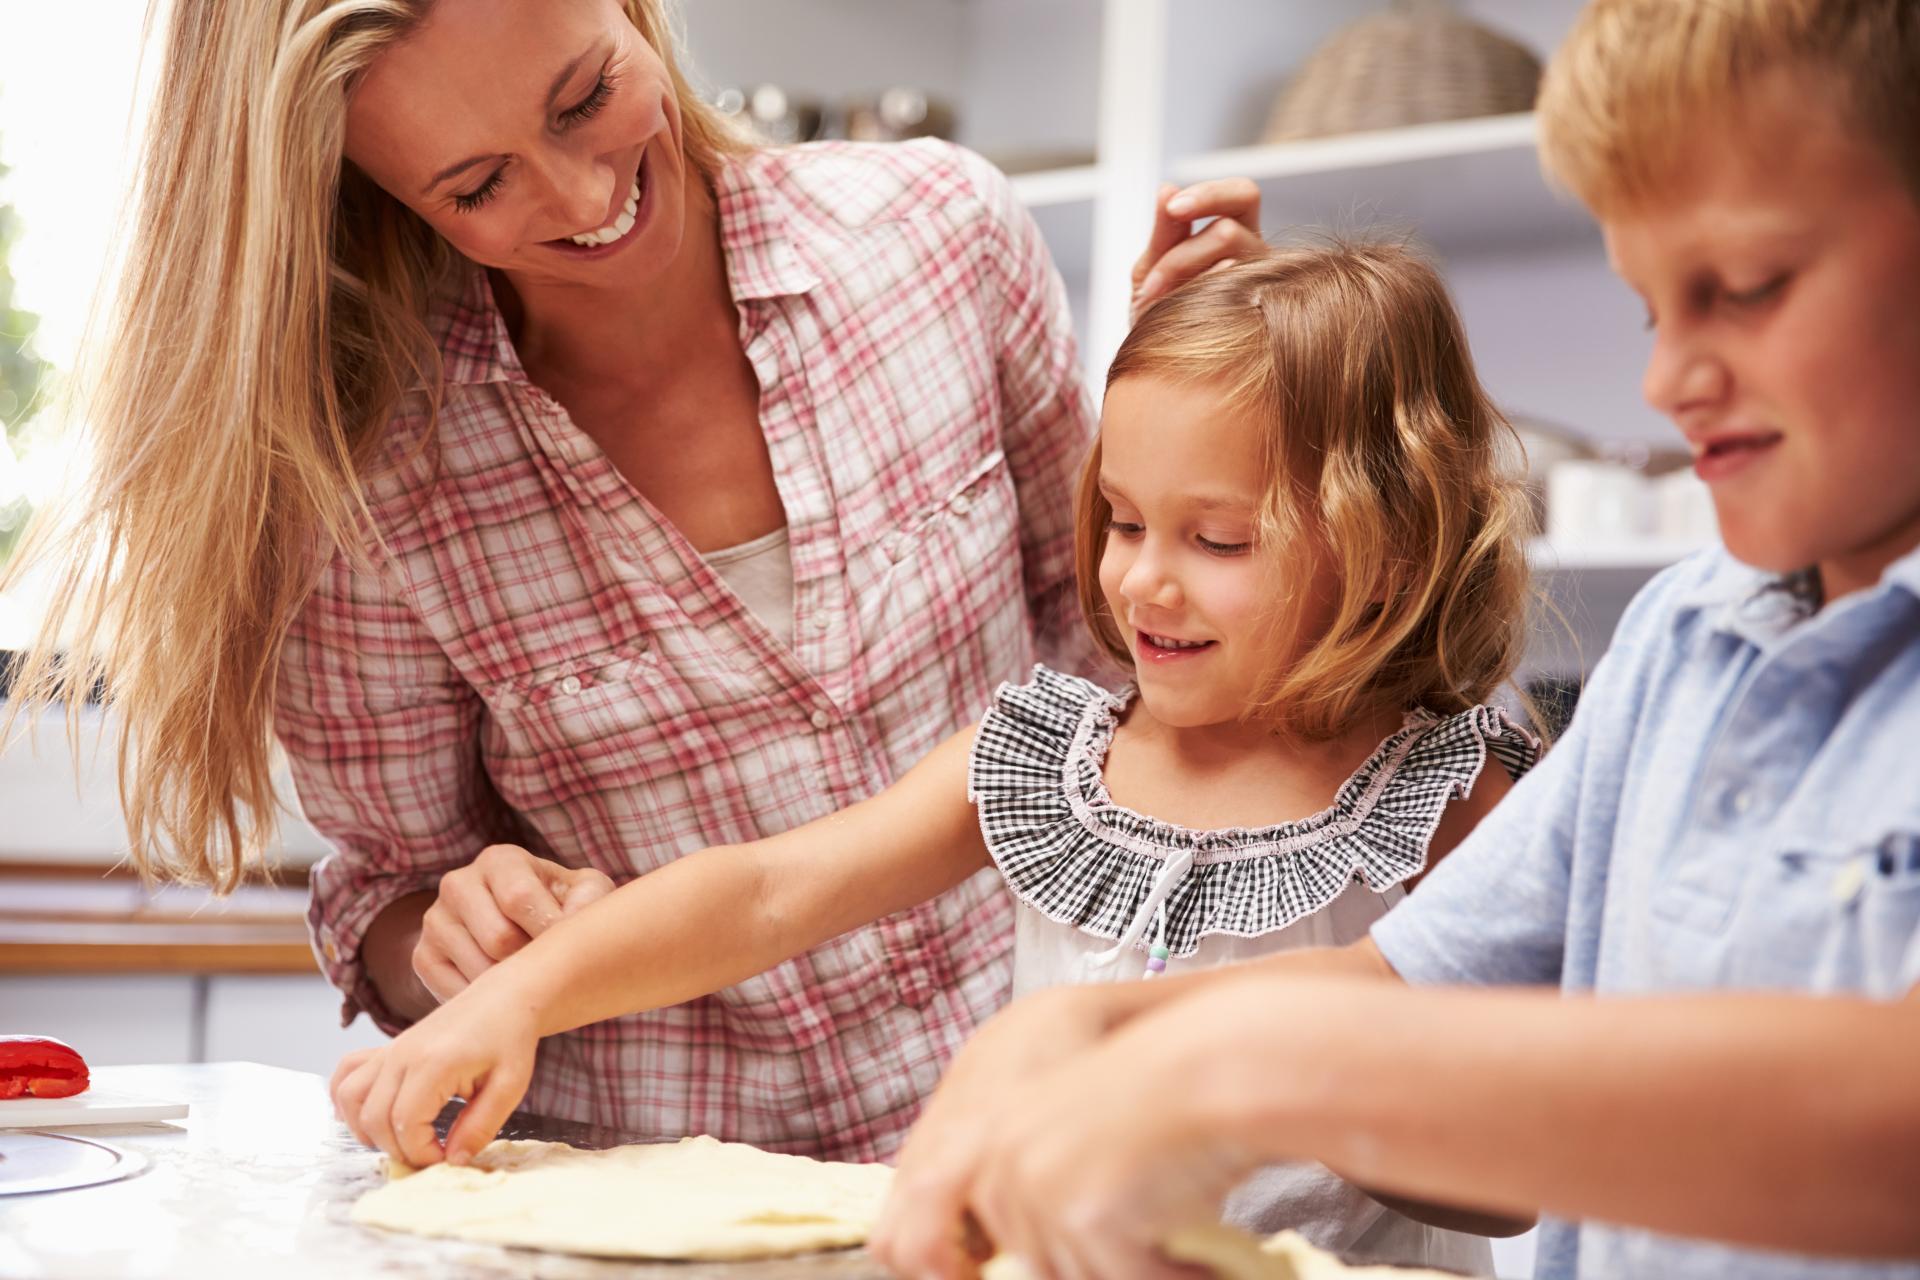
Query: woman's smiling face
[539, 137]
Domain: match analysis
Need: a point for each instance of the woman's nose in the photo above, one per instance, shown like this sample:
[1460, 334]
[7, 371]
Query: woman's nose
[581, 195]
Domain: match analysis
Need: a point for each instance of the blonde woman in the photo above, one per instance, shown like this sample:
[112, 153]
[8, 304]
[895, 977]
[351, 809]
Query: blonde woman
[541, 464]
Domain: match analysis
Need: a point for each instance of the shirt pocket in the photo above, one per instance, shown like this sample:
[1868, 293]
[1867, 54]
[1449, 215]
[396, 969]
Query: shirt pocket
[1836, 918]
[573, 729]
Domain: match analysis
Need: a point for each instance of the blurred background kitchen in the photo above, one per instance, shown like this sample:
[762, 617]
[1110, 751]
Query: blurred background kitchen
[1410, 117]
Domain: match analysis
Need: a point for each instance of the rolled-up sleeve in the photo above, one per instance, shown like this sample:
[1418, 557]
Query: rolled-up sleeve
[383, 739]
[1047, 418]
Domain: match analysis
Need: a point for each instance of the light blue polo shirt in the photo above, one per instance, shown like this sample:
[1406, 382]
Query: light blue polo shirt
[1735, 806]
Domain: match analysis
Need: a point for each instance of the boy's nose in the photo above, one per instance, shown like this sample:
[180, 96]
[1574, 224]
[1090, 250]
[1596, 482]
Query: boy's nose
[1682, 376]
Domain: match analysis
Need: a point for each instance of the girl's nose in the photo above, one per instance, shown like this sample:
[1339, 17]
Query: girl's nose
[1149, 582]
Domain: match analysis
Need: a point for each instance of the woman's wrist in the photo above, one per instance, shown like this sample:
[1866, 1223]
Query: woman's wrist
[386, 955]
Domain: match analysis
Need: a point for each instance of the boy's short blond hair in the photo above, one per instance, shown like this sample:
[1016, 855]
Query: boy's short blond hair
[1626, 92]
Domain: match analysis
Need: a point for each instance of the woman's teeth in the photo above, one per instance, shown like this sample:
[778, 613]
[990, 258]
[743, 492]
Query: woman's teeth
[619, 226]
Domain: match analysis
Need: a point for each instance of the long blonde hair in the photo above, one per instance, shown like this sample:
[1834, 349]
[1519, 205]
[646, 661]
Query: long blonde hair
[1380, 448]
[269, 318]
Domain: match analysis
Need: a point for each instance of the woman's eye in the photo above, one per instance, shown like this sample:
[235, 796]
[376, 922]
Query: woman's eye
[480, 195]
[589, 106]
[1225, 548]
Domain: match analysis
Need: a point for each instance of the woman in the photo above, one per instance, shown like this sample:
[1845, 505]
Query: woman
[542, 464]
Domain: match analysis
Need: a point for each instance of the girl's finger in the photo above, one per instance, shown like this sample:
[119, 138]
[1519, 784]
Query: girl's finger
[376, 1113]
[479, 1122]
[416, 1104]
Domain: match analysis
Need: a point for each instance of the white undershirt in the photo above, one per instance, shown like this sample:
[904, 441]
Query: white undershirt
[760, 572]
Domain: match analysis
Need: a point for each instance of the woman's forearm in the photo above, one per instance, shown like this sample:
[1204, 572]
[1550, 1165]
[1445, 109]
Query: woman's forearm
[387, 954]
[1771, 1121]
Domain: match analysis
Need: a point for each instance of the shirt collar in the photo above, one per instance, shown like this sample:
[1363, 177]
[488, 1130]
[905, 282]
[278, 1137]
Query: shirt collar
[757, 235]
[1760, 606]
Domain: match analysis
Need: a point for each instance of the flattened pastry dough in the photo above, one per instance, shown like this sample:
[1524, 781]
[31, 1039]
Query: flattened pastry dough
[696, 1199]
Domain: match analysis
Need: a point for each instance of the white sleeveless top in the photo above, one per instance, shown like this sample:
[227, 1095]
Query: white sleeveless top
[760, 572]
[1097, 885]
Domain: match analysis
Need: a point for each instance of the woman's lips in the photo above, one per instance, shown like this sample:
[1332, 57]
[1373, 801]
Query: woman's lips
[643, 180]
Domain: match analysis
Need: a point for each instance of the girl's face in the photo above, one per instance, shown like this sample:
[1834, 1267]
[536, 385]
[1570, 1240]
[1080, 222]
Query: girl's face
[1187, 589]
[1780, 283]
[519, 129]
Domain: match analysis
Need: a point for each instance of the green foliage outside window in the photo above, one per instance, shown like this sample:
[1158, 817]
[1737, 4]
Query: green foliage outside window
[23, 378]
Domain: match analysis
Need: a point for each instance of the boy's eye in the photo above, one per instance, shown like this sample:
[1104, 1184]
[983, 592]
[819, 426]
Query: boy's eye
[1225, 548]
[1755, 297]
[480, 195]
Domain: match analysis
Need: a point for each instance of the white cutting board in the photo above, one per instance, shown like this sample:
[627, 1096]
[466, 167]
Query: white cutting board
[95, 1106]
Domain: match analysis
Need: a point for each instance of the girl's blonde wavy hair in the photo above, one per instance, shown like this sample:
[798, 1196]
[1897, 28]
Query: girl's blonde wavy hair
[1380, 448]
[269, 318]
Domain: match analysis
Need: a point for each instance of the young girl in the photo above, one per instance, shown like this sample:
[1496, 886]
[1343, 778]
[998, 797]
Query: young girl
[1296, 532]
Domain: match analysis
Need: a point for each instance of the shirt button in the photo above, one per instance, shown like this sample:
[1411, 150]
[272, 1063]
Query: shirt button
[570, 686]
[1740, 801]
[331, 952]
[822, 621]
[962, 505]
[822, 721]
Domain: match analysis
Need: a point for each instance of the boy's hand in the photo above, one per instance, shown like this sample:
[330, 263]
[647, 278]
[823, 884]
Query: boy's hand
[924, 1230]
[473, 1047]
[1176, 253]
[492, 907]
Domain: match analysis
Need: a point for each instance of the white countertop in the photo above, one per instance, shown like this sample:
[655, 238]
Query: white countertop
[257, 1182]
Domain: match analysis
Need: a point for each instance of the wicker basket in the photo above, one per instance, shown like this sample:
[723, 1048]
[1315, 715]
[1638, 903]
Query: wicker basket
[1422, 61]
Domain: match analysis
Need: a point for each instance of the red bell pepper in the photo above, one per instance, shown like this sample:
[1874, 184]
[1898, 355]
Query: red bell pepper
[39, 1067]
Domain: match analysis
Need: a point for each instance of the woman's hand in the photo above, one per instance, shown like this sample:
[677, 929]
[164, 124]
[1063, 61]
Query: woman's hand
[1176, 253]
[476, 1046]
[924, 1229]
[492, 907]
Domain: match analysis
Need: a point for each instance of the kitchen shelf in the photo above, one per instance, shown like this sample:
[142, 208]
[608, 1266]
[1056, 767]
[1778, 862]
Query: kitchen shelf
[1462, 185]
[1635, 554]
[1052, 188]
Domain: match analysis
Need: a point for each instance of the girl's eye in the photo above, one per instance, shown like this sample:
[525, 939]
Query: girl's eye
[1225, 548]
[1124, 528]
[590, 105]
[480, 195]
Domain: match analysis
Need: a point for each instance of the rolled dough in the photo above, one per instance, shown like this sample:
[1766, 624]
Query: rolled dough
[696, 1199]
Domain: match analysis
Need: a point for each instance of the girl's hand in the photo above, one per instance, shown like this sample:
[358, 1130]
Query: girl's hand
[1176, 253]
[492, 907]
[924, 1229]
[473, 1047]
[1084, 1172]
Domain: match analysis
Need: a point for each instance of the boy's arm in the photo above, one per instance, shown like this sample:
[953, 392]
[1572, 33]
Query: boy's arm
[713, 918]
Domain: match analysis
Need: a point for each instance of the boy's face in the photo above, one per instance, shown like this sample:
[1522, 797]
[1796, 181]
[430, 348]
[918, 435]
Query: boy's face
[1187, 587]
[1782, 281]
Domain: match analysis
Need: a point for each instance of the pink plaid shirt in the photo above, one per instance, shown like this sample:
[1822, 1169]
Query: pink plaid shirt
[541, 658]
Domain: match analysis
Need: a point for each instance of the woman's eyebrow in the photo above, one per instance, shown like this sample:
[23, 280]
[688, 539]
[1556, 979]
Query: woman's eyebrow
[553, 92]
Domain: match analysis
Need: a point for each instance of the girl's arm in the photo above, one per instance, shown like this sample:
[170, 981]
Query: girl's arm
[700, 923]
[724, 914]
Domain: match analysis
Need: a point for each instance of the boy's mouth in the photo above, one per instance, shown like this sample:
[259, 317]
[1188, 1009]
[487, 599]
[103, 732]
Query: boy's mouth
[1725, 453]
